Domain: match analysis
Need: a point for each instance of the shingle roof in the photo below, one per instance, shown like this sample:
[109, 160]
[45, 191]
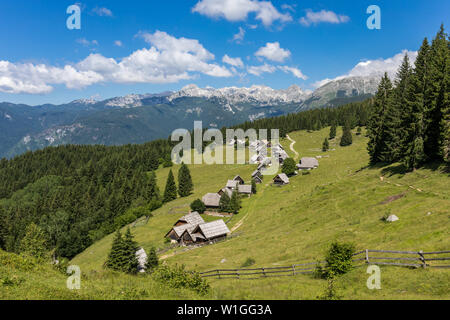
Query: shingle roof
[238, 178]
[231, 184]
[283, 177]
[213, 229]
[308, 163]
[211, 199]
[193, 218]
[181, 229]
[256, 173]
[242, 188]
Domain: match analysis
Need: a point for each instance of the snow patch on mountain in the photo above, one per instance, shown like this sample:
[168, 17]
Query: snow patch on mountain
[263, 95]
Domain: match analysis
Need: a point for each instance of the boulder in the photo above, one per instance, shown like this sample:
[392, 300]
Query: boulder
[392, 218]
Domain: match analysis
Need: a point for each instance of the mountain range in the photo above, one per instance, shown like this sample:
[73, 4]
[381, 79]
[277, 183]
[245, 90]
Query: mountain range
[138, 118]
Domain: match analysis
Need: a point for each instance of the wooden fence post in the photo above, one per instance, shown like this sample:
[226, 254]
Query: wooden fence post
[293, 269]
[422, 258]
[367, 256]
[264, 272]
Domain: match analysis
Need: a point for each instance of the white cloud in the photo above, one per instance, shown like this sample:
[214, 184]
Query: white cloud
[102, 12]
[323, 16]
[235, 62]
[375, 68]
[168, 60]
[118, 43]
[238, 10]
[238, 37]
[259, 70]
[295, 72]
[272, 51]
[87, 43]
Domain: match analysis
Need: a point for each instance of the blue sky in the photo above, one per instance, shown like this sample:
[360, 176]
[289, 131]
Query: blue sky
[150, 46]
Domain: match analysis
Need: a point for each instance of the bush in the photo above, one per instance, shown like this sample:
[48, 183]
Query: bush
[288, 167]
[249, 262]
[198, 205]
[177, 277]
[338, 260]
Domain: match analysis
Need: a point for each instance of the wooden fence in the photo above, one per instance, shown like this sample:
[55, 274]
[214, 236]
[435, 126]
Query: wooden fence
[411, 259]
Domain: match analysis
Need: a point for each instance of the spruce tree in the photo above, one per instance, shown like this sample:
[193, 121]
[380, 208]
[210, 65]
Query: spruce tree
[414, 121]
[254, 190]
[235, 202]
[152, 260]
[347, 138]
[3, 230]
[333, 131]
[437, 91]
[224, 203]
[198, 205]
[185, 185]
[396, 111]
[116, 258]
[376, 128]
[170, 193]
[325, 145]
[151, 188]
[288, 167]
[130, 249]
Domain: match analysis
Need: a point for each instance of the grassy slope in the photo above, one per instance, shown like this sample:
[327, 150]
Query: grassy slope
[280, 226]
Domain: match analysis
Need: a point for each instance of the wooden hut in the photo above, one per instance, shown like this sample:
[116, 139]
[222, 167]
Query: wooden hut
[209, 231]
[308, 164]
[239, 180]
[281, 179]
[211, 200]
[245, 189]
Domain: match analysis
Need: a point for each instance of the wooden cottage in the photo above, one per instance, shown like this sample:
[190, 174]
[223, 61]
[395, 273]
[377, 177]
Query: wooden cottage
[187, 222]
[308, 164]
[281, 179]
[239, 180]
[232, 184]
[206, 232]
[245, 189]
[257, 176]
[228, 191]
[211, 200]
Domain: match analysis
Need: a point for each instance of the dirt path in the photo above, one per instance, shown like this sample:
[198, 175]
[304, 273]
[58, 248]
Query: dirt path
[292, 147]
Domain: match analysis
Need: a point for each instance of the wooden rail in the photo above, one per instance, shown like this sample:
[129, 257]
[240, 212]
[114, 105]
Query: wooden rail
[411, 259]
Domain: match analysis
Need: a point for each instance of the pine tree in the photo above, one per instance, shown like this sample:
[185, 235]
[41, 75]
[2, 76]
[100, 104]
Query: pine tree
[235, 202]
[224, 203]
[325, 145]
[153, 160]
[445, 123]
[185, 185]
[170, 193]
[347, 138]
[396, 111]
[151, 188]
[333, 131]
[413, 121]
[437, 91]
[254, 189]
[3, 230]
[116, 260]
[130, 249]
[152, 260]
[376, 128]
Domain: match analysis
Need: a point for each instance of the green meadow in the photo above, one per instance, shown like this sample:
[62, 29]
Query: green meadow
[342, 200]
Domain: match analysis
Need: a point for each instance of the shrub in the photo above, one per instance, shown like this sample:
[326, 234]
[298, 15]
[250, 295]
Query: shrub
[198, 205]
[338, 259]
[178, 277]
[288, 167]
[249, 262]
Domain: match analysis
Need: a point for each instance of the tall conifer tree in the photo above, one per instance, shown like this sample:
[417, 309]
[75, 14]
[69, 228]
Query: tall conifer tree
[185, 185]
[170, 193]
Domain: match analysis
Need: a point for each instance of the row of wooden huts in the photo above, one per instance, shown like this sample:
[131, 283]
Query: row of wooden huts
[192, 229]
[212, 200]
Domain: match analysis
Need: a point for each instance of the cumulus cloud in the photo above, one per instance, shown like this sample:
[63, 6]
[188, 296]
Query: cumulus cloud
[102, 12]
[168, 60]
[295, 72]
[238, 10]
[259, 70]
[323, 16]
[235, 62]
[273, 51]
[238, 37]
[118, 43]
[375, 68]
